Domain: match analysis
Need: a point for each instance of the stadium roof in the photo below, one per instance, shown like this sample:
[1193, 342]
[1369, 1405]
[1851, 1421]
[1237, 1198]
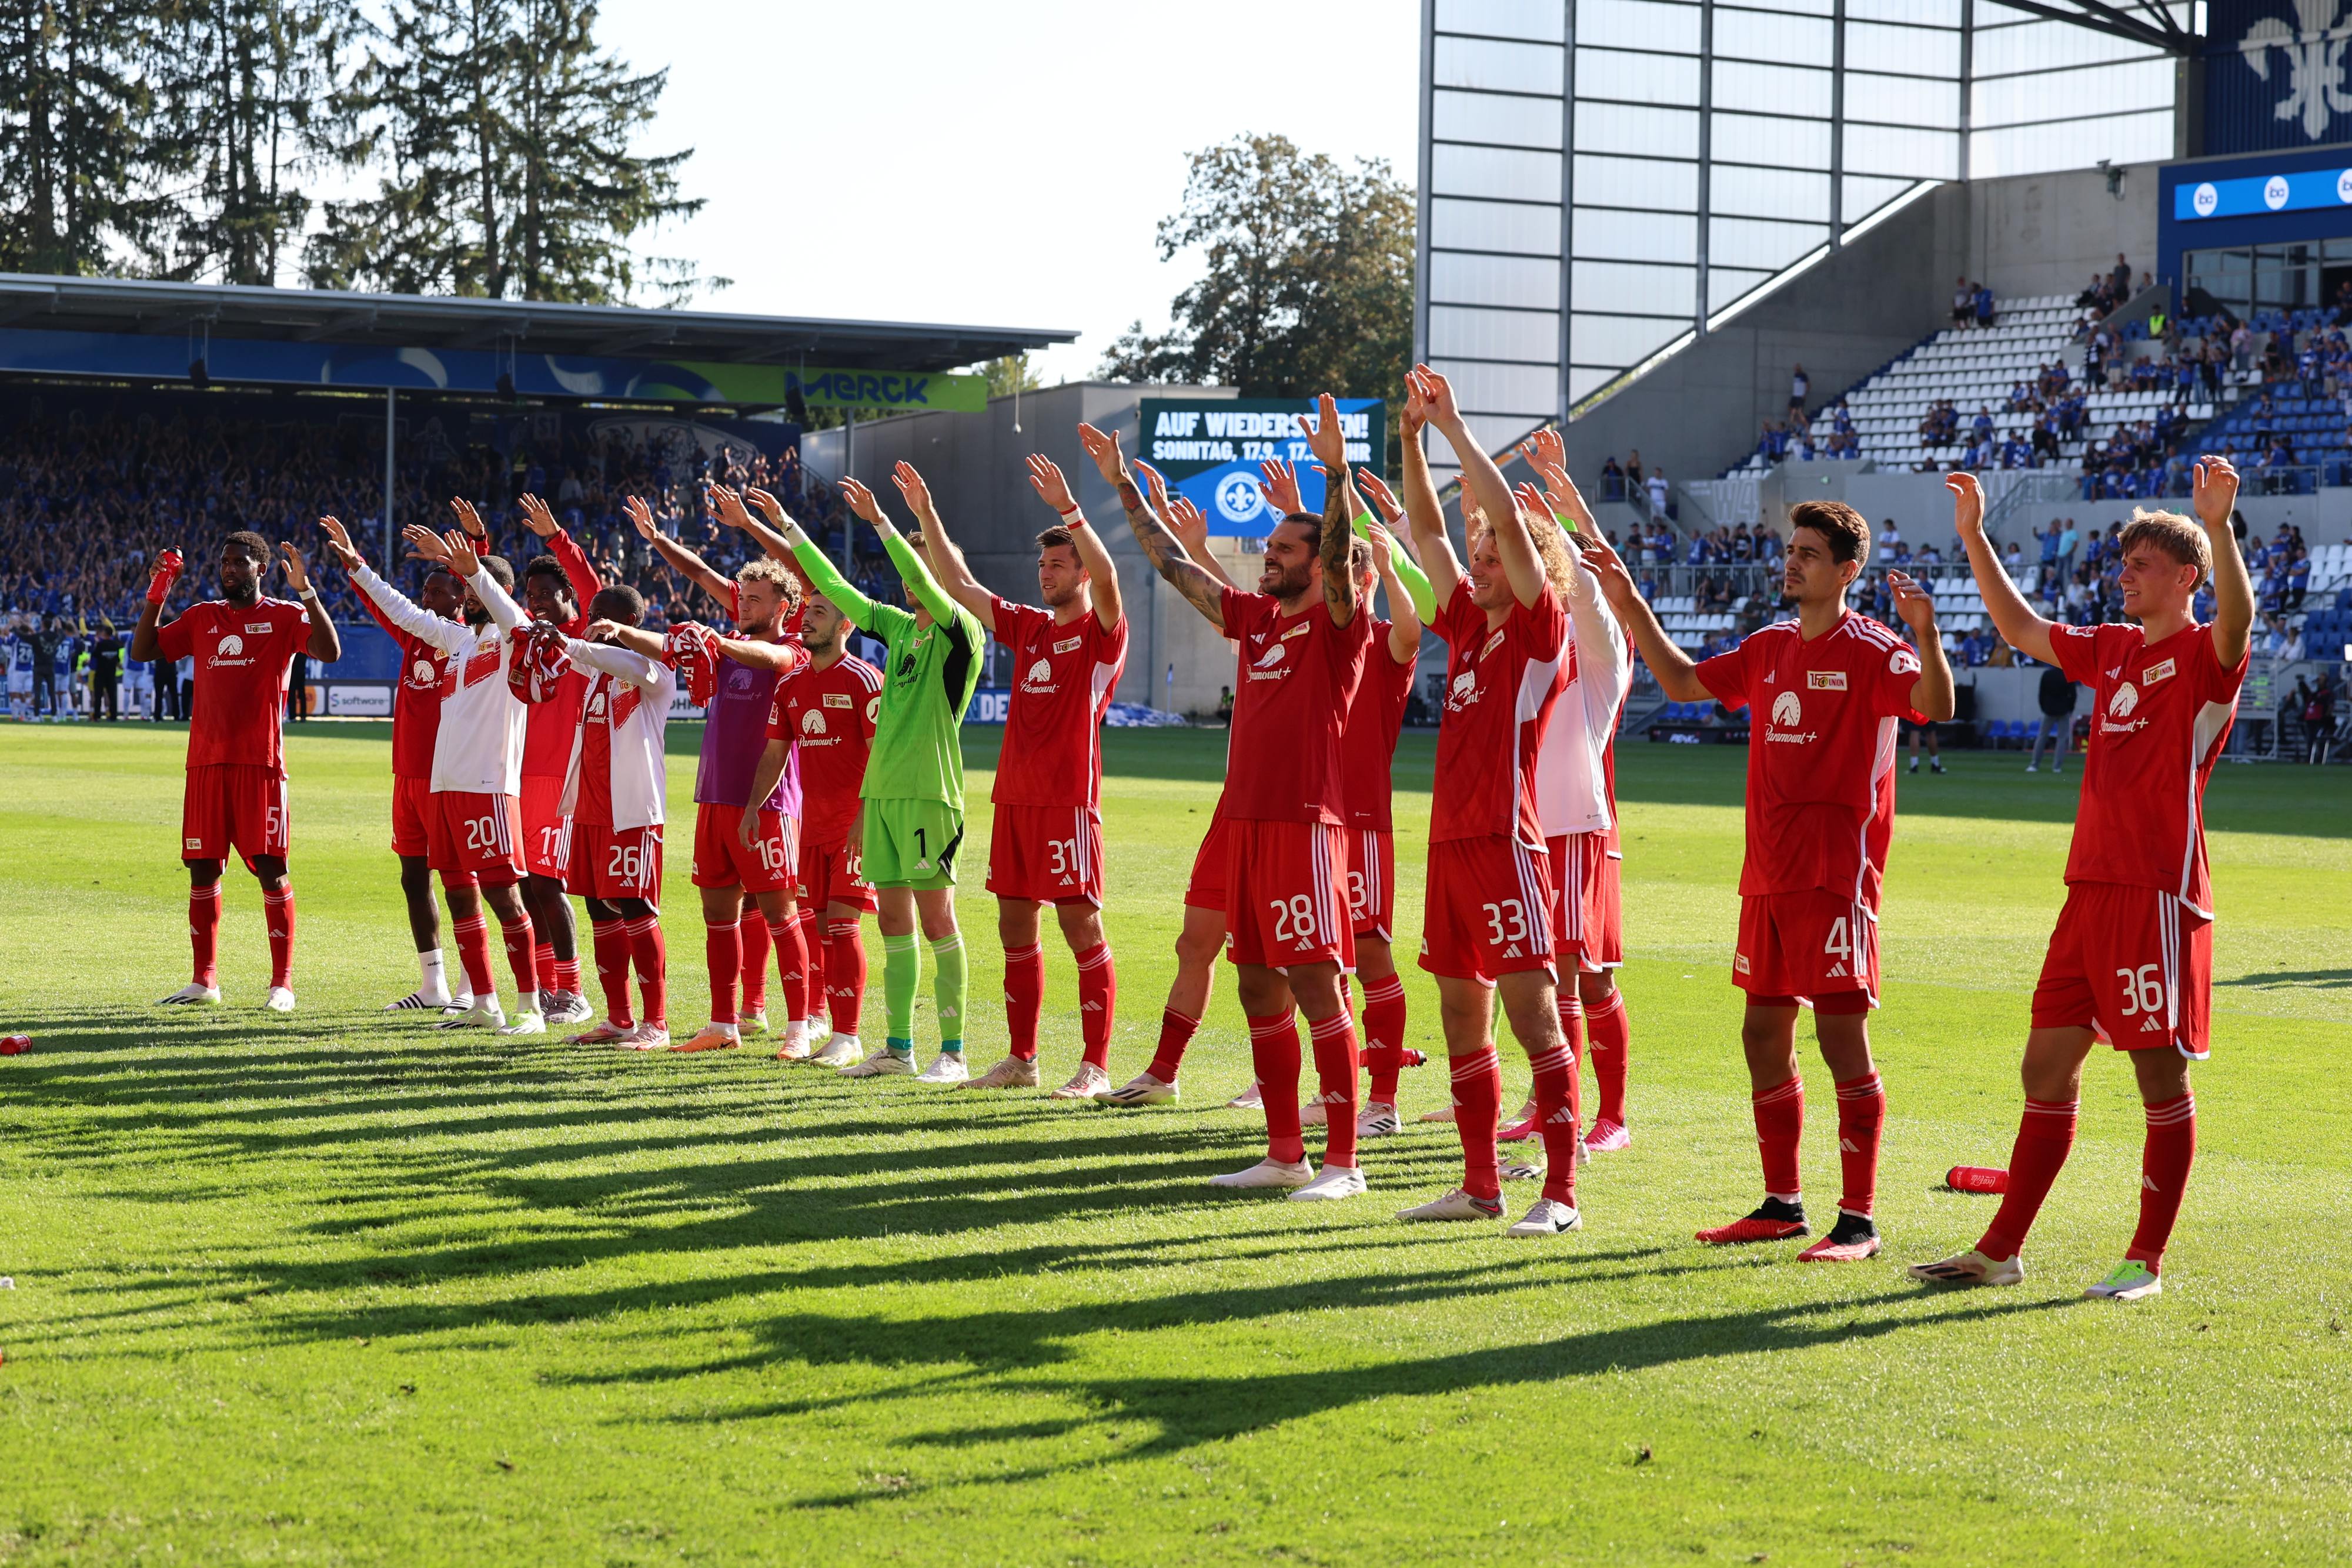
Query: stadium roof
[2152, 24]
[318, 315]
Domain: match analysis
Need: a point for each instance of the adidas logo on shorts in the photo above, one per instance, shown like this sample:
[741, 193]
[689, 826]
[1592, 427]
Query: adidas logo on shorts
[1837, 972]
[2149, 1026]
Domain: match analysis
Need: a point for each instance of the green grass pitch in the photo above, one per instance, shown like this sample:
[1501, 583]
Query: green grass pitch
[338, 1288]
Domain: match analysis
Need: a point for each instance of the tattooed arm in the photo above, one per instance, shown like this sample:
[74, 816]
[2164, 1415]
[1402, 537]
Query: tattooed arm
[1340, 508]
[1160, 547]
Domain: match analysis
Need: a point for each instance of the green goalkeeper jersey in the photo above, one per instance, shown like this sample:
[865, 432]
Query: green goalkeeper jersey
[926, 682]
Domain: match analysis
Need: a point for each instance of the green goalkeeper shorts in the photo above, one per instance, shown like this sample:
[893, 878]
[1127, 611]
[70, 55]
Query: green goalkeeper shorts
[912, 843]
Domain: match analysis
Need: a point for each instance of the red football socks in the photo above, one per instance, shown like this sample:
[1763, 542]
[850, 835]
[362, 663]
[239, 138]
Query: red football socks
[204, 932]
[522, 958]
[792, 964]
[722, 950]
[1384, 1024]
[612, 943]
[1554, 1071]
[543, 957]
[1862, 1113]
[277, 914]
[751, 968]
[1608, 1032]
[1334, 1041]
[1097, 1002]
[1025, 997]
[567, 976]
[1176, 1032]
[1779, 1127]
[844, 970]
[473, 934]
[813, 947]
[1477, 1105]
[1274, 1050]
[1571, 1009]
[646, 948]
[2045, 1136]
[2164, 1162]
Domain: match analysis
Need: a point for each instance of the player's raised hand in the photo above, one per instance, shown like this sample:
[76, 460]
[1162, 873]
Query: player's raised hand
[2213, 491]
[1324, 438]
[1617, 584]
[1968, 504]
[768, 504]
[467, 518]
[913, 491]
[537, 516]
[338, 540]
[297, 575]
[599, 631]
[1051, 487]
[1103, 449]
[1546, 454]
[1375, 489]
[1383, 549]
[462, 559]
[1530, 500]
[1277, 482]
[423, 543]
[862, 502]
[1914, 604]
[1415, 412]
[642, 516]
[726, 505]
[1437, 394]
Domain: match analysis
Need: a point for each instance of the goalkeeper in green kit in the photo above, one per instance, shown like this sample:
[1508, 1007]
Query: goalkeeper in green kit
[913, 822]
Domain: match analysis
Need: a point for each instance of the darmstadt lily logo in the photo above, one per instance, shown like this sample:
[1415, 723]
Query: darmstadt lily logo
[2314, 57]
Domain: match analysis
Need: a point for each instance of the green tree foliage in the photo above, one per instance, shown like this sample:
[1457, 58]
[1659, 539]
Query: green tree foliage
[76, 134]
[501, 135]
[1309, 281]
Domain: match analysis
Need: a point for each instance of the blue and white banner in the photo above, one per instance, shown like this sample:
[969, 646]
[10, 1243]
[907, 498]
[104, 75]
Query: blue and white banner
[2258, 194]
[2275, 75]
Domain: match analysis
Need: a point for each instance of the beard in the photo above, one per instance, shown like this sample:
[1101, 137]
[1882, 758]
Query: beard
[1288, 584]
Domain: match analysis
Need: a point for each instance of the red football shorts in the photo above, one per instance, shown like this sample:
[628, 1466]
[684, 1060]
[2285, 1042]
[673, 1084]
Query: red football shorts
[1285, 884]
[1050, 854]
[1371, 882]
[610, 863]
[1207, 888]
[234, 806]
[1805, 947]
[411, 816]
[476, 836]
[546, 832]
[1487, 909]
[2133, 964]
[1604, 917]
[832, 874]
[1579, 863]
[771, 864]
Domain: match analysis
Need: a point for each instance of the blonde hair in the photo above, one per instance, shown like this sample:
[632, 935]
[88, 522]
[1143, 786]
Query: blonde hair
[767, 569]
[1550, 540]
[2176, 536]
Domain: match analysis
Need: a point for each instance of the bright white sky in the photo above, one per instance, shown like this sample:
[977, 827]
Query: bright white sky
[997, 162]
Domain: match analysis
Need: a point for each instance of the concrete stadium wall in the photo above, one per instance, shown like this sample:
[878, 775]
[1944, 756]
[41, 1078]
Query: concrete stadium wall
[2047, 234]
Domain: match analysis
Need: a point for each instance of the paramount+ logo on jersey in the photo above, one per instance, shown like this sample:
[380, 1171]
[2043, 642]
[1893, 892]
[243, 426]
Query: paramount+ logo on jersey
[1787, 712]
[228, 652]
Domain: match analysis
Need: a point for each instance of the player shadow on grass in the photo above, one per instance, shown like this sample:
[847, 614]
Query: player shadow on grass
[2300, 980]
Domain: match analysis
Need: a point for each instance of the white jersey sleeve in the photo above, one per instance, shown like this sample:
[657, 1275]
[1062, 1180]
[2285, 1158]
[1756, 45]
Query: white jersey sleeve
[1571, 787]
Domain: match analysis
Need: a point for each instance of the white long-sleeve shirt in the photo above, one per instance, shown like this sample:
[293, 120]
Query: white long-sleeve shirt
[1571, 792]
[478, 747]
[640, 767]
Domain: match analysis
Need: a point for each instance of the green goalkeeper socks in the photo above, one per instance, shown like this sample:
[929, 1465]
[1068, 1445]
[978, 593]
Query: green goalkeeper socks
[902, 972]
[949, 990]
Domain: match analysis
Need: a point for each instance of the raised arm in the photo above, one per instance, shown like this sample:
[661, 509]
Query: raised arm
[1330, 444]
[1186, 521]
[1423, 509]
[946, 560]
[1102, 573]
[682, 561]
[504, 610]
[1405, 616]
[771, 540]
[1414, 581]
[621, 663]
[1522, 566]
[2214, 489]
[1931, 694]
[1676, 672]
[2014, 619]
[826, 578]
[391, 606]
[577, 570]
[1160, 548]
[325, 645]
[1602, 654]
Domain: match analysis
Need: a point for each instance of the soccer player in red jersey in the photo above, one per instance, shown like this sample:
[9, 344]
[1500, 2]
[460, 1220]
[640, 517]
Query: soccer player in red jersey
[1303, 641]
[821, 719]
[1825, 691]
[2131, 960]
[472, 830]
[1605, 1027]
[415, 720]
[1488, 914]
[1047, 844]
[243, 646]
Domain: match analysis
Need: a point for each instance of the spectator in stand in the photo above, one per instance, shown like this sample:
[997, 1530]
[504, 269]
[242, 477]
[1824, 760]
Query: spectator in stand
[2298, 578]
[1612, 480]
[2057, 698]
[1964, 301]
[2013, 560]
[2119, 281]
[1800, 388]
[1984, 306]
[1662, 504]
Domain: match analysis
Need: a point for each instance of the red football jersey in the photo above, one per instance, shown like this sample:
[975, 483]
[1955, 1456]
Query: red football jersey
[1820, 752]
[1367, 743]
[1500, 684]
[415, 700]
[595, 804]
[1296, 676]
[242, 658]
[2162, 714]
[829, 715]
[1063, 676]
[549, 729]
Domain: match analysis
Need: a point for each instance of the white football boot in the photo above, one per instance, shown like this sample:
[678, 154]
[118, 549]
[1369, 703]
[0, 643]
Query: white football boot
[1455, 1205]
[1088, 1082]
[1336, 1181]
[947, 1067]
[1971, 1268]
[1140, 1090]
[280, 1000]
[192, 995]
[1249, 1099]
[883, 1064]
[606, 1032]
[648, 1036]
[529, 1021]
[481, 1014]
[1547, 1217]
[841, 1050]
[1377, 1120]
[1012, 1073]
[1268, 1173]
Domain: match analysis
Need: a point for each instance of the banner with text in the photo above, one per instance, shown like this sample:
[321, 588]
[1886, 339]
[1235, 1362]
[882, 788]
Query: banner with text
[1210, 450]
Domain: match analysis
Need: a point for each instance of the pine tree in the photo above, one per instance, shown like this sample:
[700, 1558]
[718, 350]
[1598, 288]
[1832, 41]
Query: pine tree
[76, 144]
